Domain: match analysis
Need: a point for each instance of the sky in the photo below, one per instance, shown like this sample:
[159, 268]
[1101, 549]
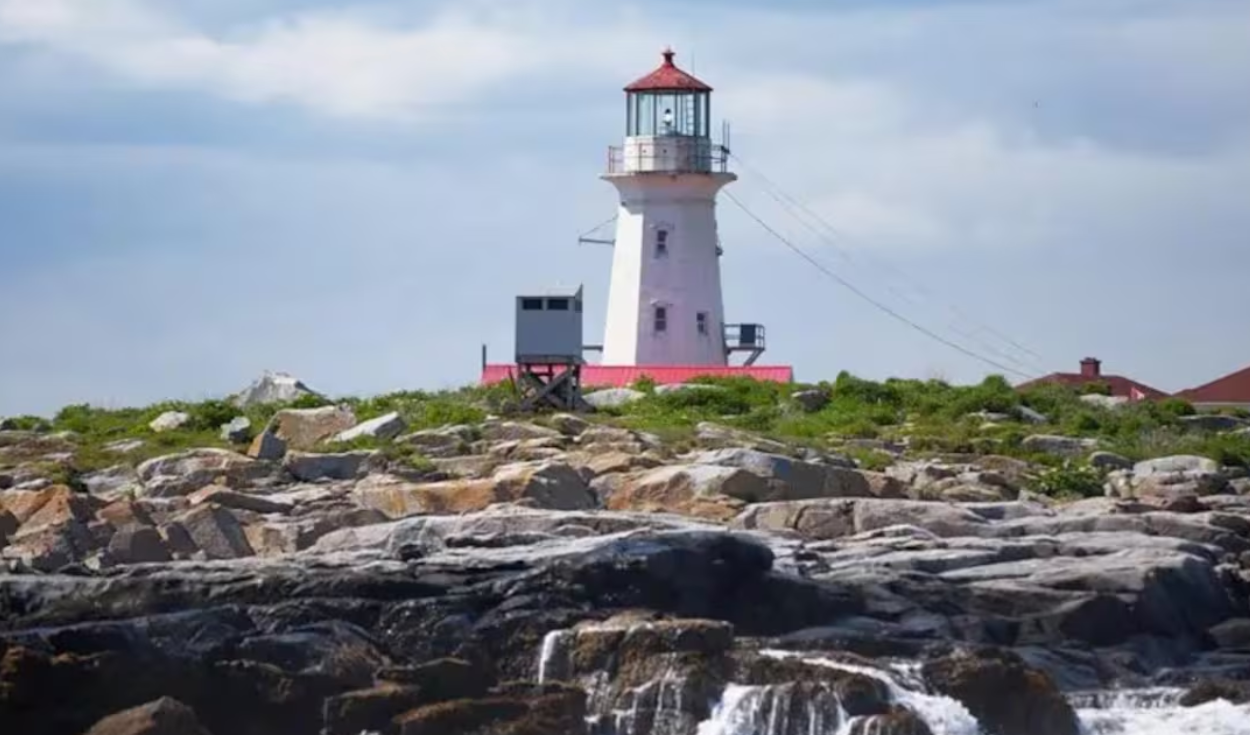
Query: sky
[195, 191]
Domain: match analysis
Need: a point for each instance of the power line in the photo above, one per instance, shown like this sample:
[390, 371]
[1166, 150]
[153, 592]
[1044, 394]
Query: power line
[775, 192]
[990, 348]
[853, 289]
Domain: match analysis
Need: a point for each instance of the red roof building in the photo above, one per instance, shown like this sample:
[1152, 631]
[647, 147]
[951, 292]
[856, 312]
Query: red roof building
[1232, 390]
[668, 78]
[621, 376]
[1091, 373]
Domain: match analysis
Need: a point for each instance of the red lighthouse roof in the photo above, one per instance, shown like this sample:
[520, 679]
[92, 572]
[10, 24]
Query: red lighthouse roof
[668, 78]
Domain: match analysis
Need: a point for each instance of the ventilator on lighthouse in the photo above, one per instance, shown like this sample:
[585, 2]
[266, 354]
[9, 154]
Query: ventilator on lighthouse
[665, 315]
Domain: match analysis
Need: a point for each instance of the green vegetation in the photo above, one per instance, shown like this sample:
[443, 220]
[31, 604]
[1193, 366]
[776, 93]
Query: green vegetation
[861, 418]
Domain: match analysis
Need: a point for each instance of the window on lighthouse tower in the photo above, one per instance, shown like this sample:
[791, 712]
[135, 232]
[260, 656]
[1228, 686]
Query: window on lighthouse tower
[661, 243]
[660, 322]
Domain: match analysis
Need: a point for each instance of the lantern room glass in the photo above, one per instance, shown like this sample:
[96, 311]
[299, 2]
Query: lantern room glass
[668, 112]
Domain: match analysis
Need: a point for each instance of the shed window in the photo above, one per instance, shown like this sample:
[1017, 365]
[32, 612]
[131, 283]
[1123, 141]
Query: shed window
[531, 304]
[661, 319]
[557, 304]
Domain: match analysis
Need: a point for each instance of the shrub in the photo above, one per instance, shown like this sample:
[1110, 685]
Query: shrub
[1067, 481]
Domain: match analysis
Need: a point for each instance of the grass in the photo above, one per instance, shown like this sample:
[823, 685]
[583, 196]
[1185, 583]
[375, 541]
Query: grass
[931, 416]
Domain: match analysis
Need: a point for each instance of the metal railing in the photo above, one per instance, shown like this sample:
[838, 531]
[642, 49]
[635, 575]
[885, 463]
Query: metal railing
[675, 157]
[744, 337]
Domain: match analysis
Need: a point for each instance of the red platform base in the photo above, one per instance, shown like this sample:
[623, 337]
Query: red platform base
[621, 376]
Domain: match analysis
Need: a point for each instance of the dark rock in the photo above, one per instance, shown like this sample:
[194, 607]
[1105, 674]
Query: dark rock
[1005, 695]
[899, 721]
[1232, 634]
[1237, 692]
[165, 716]
[546, 710]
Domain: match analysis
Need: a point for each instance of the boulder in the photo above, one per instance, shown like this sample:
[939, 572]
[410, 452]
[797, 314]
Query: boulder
[700, 490]
[790, 479]
[236, 431]
[138, 545]
[550, 485]
[385, 427]
[307, 467]
[1059, 446]
[111, 482]
[517, 431]
[1172, 476]
[448, 441]
[613, 397]
[165, 716]
[185, 472]
[1109, 461]
[1212, 422]
[717, 436]
[267, 446]
[215, 532]
[811, 400]
[304, 428]
[570, 424]
[1007, 696]
[169, 421]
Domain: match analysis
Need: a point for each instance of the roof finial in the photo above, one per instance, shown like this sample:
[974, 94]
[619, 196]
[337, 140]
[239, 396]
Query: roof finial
[668, 55]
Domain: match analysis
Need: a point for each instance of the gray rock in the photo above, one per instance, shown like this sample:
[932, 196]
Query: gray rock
[446, 441]
[791, 479]
[227, 498]
[1109, 461]
[124, 446]
[1060, 446]
[215, 532]
[307, 467]
[570, 424]
[1171, 477]
[169, 421]
[112, 481]
[138, 545]
[1031, 416]
[304, 428]
[811, 400]
[384, 427]
[267, 446]
[613, 397]
[1104, 402]
[186, 472]
[516, 431]
[273, 387]
[237, 431]
[1212, 422]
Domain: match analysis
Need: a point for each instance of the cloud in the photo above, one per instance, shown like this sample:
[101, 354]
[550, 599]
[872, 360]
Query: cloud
[334, 62]
[1049, 166]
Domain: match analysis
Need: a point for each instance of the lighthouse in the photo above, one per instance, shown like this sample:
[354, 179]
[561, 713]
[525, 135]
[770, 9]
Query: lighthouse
[665, 305]
[665, 315]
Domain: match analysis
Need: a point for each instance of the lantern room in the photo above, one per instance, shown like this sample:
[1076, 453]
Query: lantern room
[668, 117]
[668, 101]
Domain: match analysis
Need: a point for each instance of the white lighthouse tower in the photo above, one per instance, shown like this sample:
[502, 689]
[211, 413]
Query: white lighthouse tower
[665, 306]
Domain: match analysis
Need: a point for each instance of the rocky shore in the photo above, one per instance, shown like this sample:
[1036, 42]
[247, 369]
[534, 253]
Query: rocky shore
[576, 577]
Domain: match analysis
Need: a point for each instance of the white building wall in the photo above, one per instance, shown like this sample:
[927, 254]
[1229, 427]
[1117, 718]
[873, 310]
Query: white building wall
[685, 281]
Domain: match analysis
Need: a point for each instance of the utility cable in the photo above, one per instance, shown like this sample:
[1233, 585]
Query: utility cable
[853, 289]
[776, 193]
